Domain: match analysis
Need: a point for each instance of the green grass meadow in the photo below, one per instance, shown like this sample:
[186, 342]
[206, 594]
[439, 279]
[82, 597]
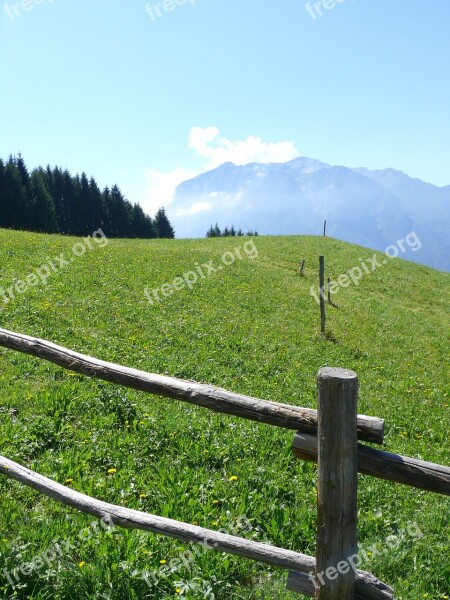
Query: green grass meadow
[251, 327]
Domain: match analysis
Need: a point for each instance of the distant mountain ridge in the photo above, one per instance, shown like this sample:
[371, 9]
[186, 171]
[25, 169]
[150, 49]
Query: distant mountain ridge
[370, 208]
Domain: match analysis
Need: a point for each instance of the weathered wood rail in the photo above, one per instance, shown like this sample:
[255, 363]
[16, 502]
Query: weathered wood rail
[385, 465]
[370, 429]
[367, 585]
[328, 436]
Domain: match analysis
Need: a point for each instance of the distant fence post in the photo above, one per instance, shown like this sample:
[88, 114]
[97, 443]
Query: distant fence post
[322, 292]
[302, 266]
[337, 484]
[325, 228]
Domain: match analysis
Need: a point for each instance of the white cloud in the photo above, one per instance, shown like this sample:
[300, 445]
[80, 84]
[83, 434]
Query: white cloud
[207, 144]
[161, 187]
[194, 209]
[200, 138]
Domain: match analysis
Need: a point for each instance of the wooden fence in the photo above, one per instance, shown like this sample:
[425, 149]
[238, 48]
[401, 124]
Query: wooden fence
[329, 436]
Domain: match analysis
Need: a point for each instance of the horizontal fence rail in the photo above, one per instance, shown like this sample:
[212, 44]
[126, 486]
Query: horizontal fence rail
[301, 583]
[335, 425]
[367, 586]
[370, 429]
[385, 465]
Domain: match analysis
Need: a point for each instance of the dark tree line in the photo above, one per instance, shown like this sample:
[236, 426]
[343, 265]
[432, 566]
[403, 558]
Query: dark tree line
[54, 201]
[232, 232]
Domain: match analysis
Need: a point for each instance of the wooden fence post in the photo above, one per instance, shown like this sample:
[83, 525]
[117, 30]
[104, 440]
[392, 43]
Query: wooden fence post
[302, 266]
[322, 292]
[337, 484]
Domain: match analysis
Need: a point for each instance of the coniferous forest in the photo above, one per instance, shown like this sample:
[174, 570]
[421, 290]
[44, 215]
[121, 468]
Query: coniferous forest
[54, 201]
[228, 232]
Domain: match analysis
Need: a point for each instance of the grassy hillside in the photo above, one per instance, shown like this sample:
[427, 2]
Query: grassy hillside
[250, 327]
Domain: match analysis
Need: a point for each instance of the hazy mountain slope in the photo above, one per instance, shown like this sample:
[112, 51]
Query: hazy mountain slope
[371, 208]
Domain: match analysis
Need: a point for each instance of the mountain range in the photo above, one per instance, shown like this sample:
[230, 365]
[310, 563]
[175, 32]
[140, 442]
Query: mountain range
[367, 207]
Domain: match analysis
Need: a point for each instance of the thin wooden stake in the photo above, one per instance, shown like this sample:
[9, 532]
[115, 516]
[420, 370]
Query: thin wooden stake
[337, 484]
[322, 293]
[302, 266]
[325, 228]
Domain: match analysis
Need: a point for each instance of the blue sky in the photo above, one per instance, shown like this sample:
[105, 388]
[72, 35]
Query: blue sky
[111, 88]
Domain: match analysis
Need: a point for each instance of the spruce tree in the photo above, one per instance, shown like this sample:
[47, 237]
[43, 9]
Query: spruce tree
[106, 202]
[86, 218]
[2, 193]
[69, 192]
[163, 226]
[23, 171]
[137, 222]
[98, 216]
[13, 202]
[119, 213]
[55, 185]
[41, 206]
